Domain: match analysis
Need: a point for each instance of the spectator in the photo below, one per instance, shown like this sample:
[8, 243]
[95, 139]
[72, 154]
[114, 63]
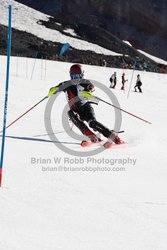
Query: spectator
[138, 84]
[104, 63]
[113, 80]
[140, 66]
[145, 66]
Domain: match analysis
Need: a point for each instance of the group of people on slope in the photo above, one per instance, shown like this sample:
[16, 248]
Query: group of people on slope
[113, 82]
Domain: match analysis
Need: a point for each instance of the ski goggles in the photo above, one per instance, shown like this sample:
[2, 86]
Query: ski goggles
[77, 76]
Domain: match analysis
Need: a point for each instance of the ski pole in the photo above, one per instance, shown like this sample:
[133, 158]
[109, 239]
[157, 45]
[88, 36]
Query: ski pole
[123, 110]
[89, 94]
[26, 112]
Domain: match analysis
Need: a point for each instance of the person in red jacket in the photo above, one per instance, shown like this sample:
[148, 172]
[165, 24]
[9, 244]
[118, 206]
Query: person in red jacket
[81, 111]
[123, 81]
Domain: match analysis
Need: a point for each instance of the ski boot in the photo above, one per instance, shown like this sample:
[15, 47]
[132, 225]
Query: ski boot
[115, 138]
[94, 138]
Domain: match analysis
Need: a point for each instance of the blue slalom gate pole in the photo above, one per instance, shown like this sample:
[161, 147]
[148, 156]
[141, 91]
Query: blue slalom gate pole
[6, 90]
[134, 67]
[36, 54]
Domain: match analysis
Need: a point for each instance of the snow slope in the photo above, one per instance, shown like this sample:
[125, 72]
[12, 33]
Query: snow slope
[27, 19]
[40, 209]
[154, 58]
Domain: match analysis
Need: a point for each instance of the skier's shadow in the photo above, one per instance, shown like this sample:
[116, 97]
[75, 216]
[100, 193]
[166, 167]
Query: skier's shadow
[38, 139]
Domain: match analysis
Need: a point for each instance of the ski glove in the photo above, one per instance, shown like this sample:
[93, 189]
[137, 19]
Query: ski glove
[52, 91]
[90, 87]
[88, 95]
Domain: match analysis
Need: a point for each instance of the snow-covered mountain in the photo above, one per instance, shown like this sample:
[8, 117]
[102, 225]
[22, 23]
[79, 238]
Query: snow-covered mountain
[34, 32]
[143, 23]
[28, 20]
[116, 199]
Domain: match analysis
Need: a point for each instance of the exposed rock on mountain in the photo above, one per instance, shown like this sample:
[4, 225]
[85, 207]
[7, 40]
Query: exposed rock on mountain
[143, 23]
[97, 22]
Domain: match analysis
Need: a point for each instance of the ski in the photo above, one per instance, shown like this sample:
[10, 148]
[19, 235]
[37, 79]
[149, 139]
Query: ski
[90, 143]
[106, 145]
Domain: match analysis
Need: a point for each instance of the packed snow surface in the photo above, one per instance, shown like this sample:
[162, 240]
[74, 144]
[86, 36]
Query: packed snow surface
[116, 199]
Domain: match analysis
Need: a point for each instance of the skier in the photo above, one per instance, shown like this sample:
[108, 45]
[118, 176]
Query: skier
[81, 110]
[138, 84]
[113, 80]
[123, 81]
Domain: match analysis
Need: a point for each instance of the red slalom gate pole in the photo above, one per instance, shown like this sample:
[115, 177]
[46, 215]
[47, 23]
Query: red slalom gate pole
[123, 110]
[123, 67]
[26, 112]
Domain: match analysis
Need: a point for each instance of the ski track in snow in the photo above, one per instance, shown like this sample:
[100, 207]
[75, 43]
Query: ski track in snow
[48, 210]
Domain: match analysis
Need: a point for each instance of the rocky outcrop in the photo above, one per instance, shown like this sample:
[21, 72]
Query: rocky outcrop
[143, 23]
[28, 45]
